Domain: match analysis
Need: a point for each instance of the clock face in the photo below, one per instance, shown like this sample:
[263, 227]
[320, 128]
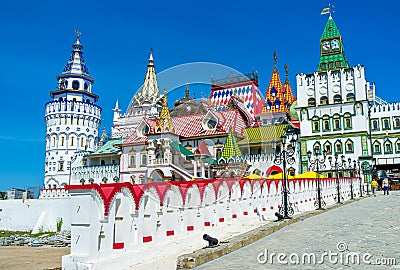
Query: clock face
[335, 44]
[326, 46]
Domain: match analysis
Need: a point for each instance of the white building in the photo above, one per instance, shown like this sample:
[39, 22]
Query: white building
[72, 119]
[333, 104]
[339, 112]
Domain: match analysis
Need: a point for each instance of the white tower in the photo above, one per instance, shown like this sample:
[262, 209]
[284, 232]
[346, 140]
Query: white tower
[72, 118]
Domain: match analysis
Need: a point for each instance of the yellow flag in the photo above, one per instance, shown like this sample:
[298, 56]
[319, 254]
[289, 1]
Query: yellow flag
[325, 11]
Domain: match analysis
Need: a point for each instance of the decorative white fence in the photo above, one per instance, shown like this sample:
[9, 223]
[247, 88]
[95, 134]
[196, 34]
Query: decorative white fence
[112, 222]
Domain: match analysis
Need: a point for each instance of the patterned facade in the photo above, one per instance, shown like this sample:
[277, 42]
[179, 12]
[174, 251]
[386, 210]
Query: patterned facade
[72, 119]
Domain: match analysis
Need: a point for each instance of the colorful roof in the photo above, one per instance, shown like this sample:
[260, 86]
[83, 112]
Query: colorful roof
[256, 135]
[244, 88]
[231, 148]
[191, 126]
[288, 93]
[181, 149]
[274, 96]
[331, 48]
[164, 123]
[109, 148]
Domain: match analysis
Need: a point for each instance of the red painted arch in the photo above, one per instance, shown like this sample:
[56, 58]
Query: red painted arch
[273, 168]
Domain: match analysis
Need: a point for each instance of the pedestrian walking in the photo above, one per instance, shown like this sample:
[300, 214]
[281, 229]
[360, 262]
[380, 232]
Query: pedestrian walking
[374, 185]
[385, 185]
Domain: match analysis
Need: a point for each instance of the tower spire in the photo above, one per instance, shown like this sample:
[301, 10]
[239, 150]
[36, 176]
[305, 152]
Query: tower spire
[149, 92]
[331, 48]
[288, 93]
[76, 63]
[274, 97]
[164, 122]
[187, 96]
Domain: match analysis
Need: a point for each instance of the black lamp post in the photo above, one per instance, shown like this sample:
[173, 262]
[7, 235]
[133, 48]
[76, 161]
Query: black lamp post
[359, 177]
[367, 170]
[338, 165]
[318, 163]
[351, 177]
[285, 156]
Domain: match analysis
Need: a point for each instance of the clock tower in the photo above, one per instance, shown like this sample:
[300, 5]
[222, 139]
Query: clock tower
[331, 48]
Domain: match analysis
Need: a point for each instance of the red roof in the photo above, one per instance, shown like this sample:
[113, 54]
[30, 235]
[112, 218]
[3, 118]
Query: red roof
[189, 126]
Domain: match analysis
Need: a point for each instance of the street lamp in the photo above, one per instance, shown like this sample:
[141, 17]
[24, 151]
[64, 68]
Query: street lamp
[367, 170]
[338, 165]
[316, 164]
[285, 156]
[351, 177]
[359, 177]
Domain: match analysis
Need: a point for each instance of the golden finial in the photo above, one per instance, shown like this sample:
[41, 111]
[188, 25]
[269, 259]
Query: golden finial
[187, 91]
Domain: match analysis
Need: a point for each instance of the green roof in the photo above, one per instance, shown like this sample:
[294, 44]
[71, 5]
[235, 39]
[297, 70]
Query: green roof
[181, 149]
[231, 148]
[210, 161]
[330, 30]
[331, 48]
[257, 135]
[108, 148]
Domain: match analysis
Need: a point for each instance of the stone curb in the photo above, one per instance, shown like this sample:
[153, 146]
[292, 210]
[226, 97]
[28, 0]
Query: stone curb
[201, 256]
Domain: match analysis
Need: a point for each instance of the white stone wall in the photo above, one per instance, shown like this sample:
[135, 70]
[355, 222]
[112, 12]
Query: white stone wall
[119, 225]
[343, 82]
[34, 214]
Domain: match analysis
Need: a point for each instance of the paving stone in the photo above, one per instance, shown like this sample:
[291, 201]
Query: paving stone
[370, 225]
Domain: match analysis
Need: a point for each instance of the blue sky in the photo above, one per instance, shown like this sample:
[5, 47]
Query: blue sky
[36, 39]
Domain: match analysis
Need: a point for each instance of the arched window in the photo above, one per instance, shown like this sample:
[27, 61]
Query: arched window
[375, 125]
[377, 148]
[86, 86]
[336, 122]
[311, 102]
[350, 97]
[211, 124]
[72, 141]
[75, 85]
[326, 123]
[385, 124]
[347, 121]
[349, 146]
[144, 159]
[62, 141]
[317, 147]
[132, 160]
[396, 123]
[328, 147]
[82, 142]
[337, 99]
[324, 100]
[398, 146]
[315, 125]
[338, 147]
[388, 147]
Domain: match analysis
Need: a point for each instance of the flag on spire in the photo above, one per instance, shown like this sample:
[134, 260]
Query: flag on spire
[326, 11]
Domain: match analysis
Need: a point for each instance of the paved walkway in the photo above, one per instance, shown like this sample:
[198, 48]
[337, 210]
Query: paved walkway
[367, 229]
